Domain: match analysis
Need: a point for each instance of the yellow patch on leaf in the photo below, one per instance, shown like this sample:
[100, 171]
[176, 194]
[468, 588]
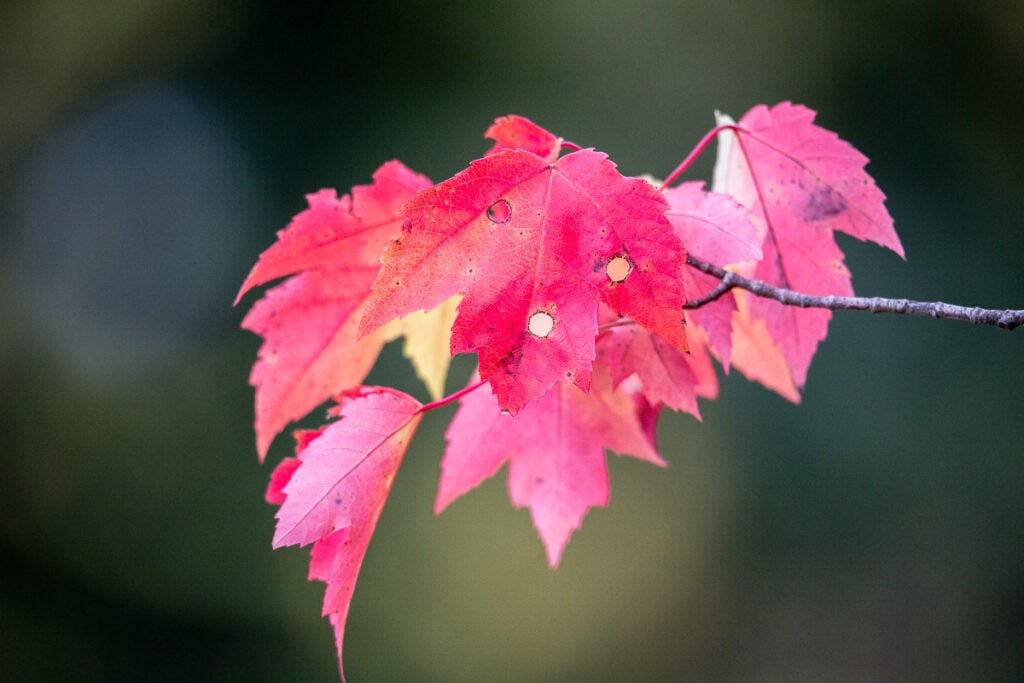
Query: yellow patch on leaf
[427, 336]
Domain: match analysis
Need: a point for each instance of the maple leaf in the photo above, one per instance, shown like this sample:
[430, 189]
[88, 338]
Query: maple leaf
[534, 246]
[332, 231]
[666, 375]
[555, 450]
[801, 183]
[517, 132]
[757, 355]
[333, 493]
[311, 350]
[715, 228]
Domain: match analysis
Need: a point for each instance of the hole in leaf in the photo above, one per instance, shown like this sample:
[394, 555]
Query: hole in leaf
[541, 324]
[617, 269]
[499, 212]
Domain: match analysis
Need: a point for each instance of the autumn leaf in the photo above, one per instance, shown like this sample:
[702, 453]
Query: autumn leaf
[534, 246]
[759, 357]
[555, 448]
[666, 375]
[570, 283]
[801, 184]
[517, 132]
[352, 229]
[714, 228]
[311, 350]
[333, 493]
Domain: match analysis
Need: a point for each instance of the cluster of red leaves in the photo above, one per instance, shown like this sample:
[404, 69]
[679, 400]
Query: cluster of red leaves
[570, 281]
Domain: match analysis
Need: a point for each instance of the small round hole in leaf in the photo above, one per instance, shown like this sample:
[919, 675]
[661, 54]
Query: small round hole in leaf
[541, 324]
[499, 212]
[617, 269]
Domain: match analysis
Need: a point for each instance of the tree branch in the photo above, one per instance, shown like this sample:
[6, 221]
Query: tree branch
[1007, 319]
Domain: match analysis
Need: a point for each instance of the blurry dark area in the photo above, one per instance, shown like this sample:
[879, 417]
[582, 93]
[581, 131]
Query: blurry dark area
[150, 150]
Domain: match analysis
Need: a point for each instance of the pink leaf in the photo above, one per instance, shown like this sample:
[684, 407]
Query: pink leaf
[334, 231]
[801, 183]
[335, 494]
[555, 450]
[712, 225]
[310, 350]
[716, 229]
[667, 376]
[314, 238]
[353, 457]
[532, 244]
[759, 357]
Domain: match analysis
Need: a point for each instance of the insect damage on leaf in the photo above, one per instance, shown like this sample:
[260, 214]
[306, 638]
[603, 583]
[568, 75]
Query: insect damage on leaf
[499, 212]
[568, 280]
[532, 229]
[541, 324]
[617, 268]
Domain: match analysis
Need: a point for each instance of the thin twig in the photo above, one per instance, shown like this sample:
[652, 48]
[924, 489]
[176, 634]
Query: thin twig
[1007, 319]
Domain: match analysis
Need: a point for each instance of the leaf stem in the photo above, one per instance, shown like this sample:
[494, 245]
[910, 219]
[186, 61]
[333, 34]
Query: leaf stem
[1006, 319]
[442, 402]
[696, 152]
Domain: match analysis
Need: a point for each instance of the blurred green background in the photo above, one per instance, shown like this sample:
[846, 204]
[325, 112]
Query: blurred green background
[150, 150]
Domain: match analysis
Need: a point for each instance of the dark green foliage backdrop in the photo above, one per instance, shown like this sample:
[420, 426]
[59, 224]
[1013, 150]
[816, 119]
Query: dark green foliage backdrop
[148, 152]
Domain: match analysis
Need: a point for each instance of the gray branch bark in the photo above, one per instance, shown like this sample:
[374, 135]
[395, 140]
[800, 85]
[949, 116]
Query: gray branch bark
[1007, 319]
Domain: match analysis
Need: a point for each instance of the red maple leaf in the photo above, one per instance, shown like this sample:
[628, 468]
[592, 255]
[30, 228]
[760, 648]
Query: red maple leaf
[333, 493]
[555, 450]
[534, 246]
[801, 183]
[310, 350]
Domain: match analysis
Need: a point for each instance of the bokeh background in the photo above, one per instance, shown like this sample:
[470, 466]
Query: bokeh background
[150, 150]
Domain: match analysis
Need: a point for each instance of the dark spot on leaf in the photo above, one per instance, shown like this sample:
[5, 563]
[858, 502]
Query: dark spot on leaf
[823, 203]
[510, 362]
